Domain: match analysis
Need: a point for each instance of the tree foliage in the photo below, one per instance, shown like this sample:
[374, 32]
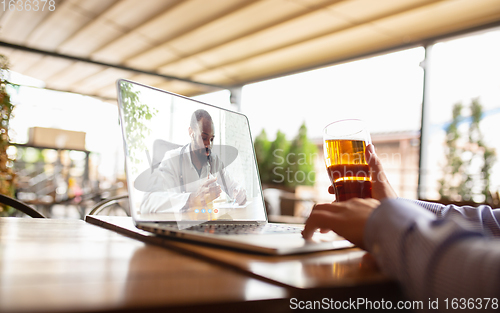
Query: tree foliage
[286, 163]
[262, 146]
[468, 159]
[276, 157]
[136, 115]
[301, 160]
[7, 175]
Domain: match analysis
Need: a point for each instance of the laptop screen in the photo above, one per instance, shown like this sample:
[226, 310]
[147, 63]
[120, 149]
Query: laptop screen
[187, 160]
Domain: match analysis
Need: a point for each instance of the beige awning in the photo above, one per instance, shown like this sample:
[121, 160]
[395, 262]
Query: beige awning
[83, 46]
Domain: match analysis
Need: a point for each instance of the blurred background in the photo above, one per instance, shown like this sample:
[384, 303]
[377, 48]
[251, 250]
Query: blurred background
[423, 75]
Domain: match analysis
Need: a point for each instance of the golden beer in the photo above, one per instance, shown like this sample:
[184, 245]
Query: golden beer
[347, 168]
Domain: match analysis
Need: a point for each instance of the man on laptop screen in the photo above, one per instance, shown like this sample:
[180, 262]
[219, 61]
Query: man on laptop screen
[191, 178]
[188, 161]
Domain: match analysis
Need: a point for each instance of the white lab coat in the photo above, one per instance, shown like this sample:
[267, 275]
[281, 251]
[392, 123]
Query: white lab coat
[165, 193]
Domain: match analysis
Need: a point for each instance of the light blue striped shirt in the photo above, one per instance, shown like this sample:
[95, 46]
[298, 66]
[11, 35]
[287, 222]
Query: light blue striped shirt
[436, 251]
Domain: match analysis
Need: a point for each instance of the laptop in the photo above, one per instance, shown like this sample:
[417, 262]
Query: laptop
[192, 175]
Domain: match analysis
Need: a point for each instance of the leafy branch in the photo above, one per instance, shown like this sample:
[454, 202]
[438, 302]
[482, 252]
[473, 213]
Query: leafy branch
[7, 175]
[461, 181]
[286, 163]
[135, 114]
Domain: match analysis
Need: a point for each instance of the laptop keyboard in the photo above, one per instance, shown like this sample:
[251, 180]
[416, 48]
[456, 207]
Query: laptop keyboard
[243, 229]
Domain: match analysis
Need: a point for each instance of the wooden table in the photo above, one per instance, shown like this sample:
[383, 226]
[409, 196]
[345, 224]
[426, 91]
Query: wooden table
[51, 265]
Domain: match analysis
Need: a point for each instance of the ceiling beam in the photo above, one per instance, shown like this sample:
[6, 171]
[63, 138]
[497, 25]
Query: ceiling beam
[86, 60]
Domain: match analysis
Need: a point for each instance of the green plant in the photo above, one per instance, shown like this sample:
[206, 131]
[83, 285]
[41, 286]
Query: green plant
[482, 151]
[462, 176]
[7, 175]
[136, 114]
[301, 159]
[454, 161]
[286, 163]
[276, 158]
[262, 147]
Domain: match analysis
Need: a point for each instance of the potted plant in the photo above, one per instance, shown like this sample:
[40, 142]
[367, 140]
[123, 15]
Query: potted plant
[7, 175]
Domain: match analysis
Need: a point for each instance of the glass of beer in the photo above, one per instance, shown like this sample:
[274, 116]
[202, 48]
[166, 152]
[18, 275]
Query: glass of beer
[344, 146]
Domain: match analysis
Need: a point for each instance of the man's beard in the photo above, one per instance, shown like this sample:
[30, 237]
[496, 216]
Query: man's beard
[201, 154]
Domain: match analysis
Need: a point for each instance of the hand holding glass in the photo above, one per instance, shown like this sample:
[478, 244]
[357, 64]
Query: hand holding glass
[344, 146]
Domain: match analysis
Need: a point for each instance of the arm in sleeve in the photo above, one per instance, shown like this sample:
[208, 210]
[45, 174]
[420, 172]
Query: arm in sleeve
[164, 191]
[433, 257]
[483, 216]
